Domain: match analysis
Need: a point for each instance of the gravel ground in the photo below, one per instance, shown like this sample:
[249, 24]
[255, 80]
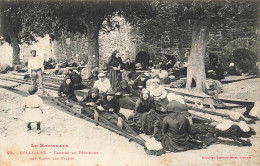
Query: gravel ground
[63, 129]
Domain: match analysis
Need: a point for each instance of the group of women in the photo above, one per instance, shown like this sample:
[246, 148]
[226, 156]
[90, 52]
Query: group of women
[156, 113]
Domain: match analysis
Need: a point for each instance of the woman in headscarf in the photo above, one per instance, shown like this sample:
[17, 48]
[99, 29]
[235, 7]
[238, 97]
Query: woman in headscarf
[77, 80]
[176, 127]
[144, 104]
[123, 92]
[124, 89]
[156, 90]
[159, 93]
[67, 90]
[91, 100]
[140, 82]
[114, 65]
[109, 108]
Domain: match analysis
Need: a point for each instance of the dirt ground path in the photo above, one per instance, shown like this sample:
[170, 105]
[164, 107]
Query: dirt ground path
[59, 128]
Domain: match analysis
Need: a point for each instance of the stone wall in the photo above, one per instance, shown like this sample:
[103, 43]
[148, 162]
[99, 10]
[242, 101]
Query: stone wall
[175, 41]
[71, 47]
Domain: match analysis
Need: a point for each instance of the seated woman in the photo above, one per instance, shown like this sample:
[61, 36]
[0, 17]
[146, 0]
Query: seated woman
[157, 91]
[140, 82]
[124, 89]
[76, 79]
[67, 90]
[102, 84]
[92, 98]
[109, 107]
[176, 127]
[144, 104]
[123, 92]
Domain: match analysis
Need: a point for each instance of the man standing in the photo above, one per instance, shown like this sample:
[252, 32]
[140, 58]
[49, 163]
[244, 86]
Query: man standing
[35, 69]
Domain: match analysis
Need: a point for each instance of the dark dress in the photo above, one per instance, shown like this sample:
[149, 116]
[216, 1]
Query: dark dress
[115, 76]
[127, 98]
[127, 66]
[89, 110]
[88, 98]
[77, 81]
[124, 88]
[144, 116]
[68, 90]
[143, 106]
[176, 129]
[114, 104]
[138, 82]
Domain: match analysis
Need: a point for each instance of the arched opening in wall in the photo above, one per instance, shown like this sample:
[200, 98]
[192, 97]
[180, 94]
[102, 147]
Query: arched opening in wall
[143, 58]
[239, 46]
[244, 61]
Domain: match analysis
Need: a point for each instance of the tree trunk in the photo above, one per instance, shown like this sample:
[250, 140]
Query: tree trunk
[196, 63]
[93, 48]
[93, 26]
[14, 44]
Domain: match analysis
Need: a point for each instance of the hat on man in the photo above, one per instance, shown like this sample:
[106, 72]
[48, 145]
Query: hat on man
[101, 75]
[32, 90]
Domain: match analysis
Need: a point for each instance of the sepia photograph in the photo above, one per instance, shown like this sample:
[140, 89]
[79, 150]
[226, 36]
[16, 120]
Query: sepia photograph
[129, 82]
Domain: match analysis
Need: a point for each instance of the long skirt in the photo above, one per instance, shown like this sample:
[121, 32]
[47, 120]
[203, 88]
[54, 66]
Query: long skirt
[115, 78]
[175, 142]
[111, 117]
[127, 102]
[33, 115]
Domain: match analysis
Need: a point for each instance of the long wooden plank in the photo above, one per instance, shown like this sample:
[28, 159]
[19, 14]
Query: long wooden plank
[233, 101]
[225, 106]
[46, 84]
[240, 78]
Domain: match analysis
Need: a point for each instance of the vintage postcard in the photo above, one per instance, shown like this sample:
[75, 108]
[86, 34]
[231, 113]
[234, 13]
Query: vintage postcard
[129, 83]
